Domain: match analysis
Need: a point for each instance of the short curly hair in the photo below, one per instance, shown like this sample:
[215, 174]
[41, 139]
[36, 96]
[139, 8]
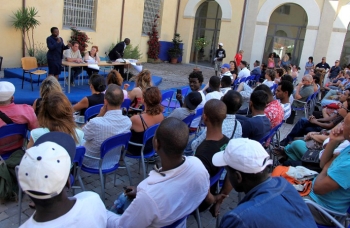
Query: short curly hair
[143, 79]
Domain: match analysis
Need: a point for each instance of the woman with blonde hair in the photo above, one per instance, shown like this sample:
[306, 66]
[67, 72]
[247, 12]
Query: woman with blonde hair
[50, 84]
[142, 82]
[53, 117]
[114, 77]
[152, 115]
[285, 61]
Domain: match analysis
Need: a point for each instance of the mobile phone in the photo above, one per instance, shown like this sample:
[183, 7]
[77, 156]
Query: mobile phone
[178, 91]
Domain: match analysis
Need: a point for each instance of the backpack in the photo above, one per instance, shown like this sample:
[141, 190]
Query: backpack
[8, 180]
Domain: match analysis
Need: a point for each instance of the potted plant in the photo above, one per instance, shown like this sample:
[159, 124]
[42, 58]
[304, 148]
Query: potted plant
[175, 52]
[80, 37]
[200, 44]
[153, 42]
[25, 21]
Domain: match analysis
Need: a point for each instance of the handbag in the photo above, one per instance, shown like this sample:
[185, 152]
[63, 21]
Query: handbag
[311, 160]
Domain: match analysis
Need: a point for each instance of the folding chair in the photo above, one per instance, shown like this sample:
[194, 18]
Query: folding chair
[307, 106]
[250, 80]
[148, 135]
[237, 82]
[266, 140]
[175, 103]
[77, 163]
[166, 99]
[339, 219]
[126, 105]
[30, 66]
[109, 152]
[199, 113]
[273, 88]
[92, 112]
[11, 130]
[188, 120]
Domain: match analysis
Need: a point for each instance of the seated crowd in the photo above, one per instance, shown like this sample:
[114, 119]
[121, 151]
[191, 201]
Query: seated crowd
[226, 136]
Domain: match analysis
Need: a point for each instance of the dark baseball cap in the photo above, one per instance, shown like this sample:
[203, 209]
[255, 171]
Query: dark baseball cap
[193, 99]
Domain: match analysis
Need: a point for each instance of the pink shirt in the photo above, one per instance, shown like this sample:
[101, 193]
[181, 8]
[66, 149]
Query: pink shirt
[20, 114]
[274, 112]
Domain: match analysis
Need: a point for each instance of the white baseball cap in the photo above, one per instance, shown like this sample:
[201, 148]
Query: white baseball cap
[45, 167]
[7, 89]
[243, 154]
[221, 44]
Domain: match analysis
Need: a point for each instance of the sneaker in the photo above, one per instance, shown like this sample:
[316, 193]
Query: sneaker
[72, 84]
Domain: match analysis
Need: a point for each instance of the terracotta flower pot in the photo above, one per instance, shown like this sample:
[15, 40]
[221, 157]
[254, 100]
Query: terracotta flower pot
[173, 60]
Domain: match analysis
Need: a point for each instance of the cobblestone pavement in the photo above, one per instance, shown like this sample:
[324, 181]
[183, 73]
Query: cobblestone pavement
[173, 76]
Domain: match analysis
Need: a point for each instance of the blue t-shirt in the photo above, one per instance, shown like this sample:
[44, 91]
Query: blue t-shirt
[254, 128]
[273, 203]
[339, 171]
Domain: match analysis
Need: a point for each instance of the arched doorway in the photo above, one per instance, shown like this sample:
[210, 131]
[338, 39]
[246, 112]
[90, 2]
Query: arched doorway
[207, 24]
[345, 54]
[286, 32]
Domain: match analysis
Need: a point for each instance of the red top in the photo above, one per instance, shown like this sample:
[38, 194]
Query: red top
[238, 58]
[19, 114]
[274, 112]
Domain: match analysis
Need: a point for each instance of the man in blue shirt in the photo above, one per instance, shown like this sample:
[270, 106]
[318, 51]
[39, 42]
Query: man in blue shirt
[259, 125]
[268, 202]
[331, 188]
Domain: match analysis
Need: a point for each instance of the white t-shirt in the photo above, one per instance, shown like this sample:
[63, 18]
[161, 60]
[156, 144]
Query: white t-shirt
[163, 199]
[196, 121]
[244, 73]
[213, 95]
[88, 211]
[268, 83]
[225, 90]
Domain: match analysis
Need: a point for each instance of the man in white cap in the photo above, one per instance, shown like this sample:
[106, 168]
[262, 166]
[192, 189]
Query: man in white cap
[13, 113]
[220, 54]
[268, 202]
[44, 175]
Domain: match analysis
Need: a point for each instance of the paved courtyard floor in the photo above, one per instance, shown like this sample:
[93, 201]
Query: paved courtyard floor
[173, 76]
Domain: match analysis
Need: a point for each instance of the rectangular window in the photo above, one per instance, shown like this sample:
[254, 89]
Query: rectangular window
[151, 8]
[79, 13]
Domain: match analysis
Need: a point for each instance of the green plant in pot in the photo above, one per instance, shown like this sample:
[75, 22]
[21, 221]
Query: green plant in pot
[175, 52]
[200, 44]
[25, 21]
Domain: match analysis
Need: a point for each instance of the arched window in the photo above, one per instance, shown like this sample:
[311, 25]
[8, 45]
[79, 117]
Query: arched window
[286, 32]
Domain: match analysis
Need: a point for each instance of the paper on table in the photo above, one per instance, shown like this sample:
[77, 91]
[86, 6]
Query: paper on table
[92, 61]
[93, 66]
[138, 68]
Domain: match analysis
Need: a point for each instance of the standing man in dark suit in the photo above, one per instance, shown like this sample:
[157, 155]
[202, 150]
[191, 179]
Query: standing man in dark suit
[118, 52]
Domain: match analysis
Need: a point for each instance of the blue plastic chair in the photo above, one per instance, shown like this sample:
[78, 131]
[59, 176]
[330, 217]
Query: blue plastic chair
[237, 82]
[188, 120]
[11, 130]
[307, 105]
[215, 180]
[175, 103]
[257, 77]
[148, 135]
[92, 112]
[199, 113]
[250, 80]
[77, 163]
[109, 151]
[126, 105]
[273, 88]
[166, 99]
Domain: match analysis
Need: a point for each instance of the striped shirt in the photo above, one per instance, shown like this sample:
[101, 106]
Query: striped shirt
[287, 110]
[97, 130]
[228, 126]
